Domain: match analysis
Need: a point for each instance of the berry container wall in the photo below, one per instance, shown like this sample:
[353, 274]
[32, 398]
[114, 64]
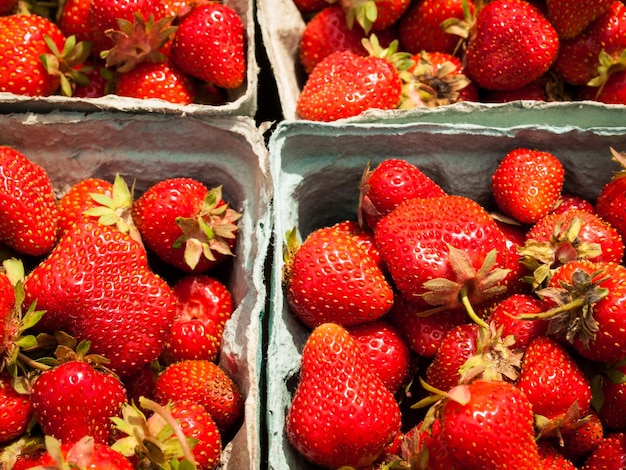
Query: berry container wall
[145, 149]
[316, 170]
[241, 101]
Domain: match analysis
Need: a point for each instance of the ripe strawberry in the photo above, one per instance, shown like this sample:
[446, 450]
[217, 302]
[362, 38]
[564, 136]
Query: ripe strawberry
[510, 45]
[78, 199]
[386, 350]
[436, 248]
[609, 88]
[204, 306]
[571, 18]
[425, 444]
[515, 237]
[527, 183]
[156, 80]
[203, 382]
[340, 86]
[16, 410]
[391, 182]
[612, 406]
[364, 237]
[74, 19]
[335, 380]
[551, 457]
[310, 6]
[611, 202]
[609, 455]
[537, 90]
[99, 81]
[28, 206]
[331, 277]
[488, 424]
[75, 399]
[374, 15]
[22, 36]
[185, 224]
[584, 299]
[85, 453]
[554, 384]
[583, 439]
[504, 315]
[566, 202]
[420, 28]
[126, 318]
[209, 44]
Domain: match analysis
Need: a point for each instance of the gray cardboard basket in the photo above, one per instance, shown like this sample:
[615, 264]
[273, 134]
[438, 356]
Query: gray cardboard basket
[316, 170]
[148, 148]
[241, 101]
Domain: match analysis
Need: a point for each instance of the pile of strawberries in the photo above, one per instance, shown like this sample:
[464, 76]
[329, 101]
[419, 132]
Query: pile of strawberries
[112, 313]
[178, 51]
[401, 54]
[449, 335]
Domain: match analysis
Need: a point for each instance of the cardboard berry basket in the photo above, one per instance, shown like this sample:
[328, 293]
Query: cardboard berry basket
[241, 101]
[148, 148]
[316, 170]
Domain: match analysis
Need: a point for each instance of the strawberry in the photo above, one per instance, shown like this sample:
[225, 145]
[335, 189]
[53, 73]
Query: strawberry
[331, 277]
[611, 202]
[583, 439]
[514, 237]
[340, 86]
[612, 406]
[185, 224]
[441, 249]
[566, 202]
[609, 89]
[527, 183]
[488, 424]
[16, 410]
[374, 15]
[28, 207]
[510, 45]
[209, 44]
[571, 18]
[74, 20]
[310, 6]
[126, 318]
[392, 181]
[537, 90]
[609, 455]
[425, 445]
[75, 399]
[99, 81]
[364, 237]
[84, 453]
[386, 350]
[554, 384]
[336, 381]
[551, 458]
[78, 199]
[504, 315]
[159, 80]
[203, 382]
[22, 36]
[204, 306]
[7, 7]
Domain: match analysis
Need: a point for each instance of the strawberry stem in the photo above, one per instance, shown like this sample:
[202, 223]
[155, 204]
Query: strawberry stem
[470, 310]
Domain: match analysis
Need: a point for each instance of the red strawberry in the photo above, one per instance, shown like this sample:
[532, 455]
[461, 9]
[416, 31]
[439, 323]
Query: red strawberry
[505, 313]
[554, 384]
[74, 19]
[537, 90]
[609, 88]
[527, 183]
[612, 407]
[337, 382]
[203, 382]
[511, 45]
[78, 199]
[436, 248]
[159, 80]
[566, 202]
[374, 15]
[22, 36]
[515, 237]
[310, 6]
[185, 224]
[391, 182]
[609, 455]
[570, 18]
[583, 439]
[96, 285]
[611, 202]
[488, 424]
[74, 399]
[364, 237]
[28, 206]
[386, 350]
[340, 86]
[209, 44]
[85, 453]
[16, 410]
[425, 444]
[552, 458]
[420, 28]
[331, 277]
[99, 81]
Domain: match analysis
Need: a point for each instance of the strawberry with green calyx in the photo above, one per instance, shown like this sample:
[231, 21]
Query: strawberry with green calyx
[185, 224]
[374, 15]
[67, 64]
[583, 438]
[126, 318]
[341, 85]
[608, 398]
[330, 277]
[610, 85]
[76, 395]
[16, 411]
[570, 18]
[335, 381]
[178, 433]
[28, 206]
[23, 453]
[611, 202]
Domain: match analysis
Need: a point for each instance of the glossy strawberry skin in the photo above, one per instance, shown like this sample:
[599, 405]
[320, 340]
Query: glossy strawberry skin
[209, 44]
[28, 207]
[7, 309]
[73, 400]
[570, 18]
[96, 285]
[16, 410]
[158, 80]
[531, 45]
[335, 382]
[74, 19]
[78, 199]
[609, 455]
[504, 316]
[455, 349]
